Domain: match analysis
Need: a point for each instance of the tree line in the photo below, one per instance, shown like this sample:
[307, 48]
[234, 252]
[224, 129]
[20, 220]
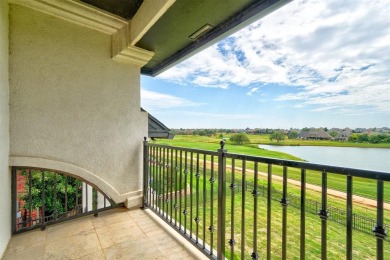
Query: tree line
[373, 138]
[278, 135]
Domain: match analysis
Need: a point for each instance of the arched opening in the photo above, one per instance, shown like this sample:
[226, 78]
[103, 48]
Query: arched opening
[42, 197]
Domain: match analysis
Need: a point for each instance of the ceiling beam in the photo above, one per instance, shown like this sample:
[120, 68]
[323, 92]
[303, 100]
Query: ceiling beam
[76, 12]
[147, 15]
[93, 18]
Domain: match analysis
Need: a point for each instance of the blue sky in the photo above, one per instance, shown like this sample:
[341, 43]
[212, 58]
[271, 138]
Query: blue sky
[310, 63]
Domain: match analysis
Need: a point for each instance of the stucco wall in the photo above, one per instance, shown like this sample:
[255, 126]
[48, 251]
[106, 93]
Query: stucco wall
[72, 107]
[5, 176]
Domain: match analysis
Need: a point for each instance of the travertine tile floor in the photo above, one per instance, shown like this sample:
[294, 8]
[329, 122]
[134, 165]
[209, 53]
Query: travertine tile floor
[115, 234]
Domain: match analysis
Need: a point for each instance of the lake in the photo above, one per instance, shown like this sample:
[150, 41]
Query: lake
[376, 159]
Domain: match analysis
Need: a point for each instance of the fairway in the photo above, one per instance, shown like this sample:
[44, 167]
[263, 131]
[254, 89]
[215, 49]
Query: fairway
[362, 187]
[212, 144]
[195, 210]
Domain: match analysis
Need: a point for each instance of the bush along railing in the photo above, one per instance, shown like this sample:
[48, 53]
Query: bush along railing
[203, 195]
[42, 197]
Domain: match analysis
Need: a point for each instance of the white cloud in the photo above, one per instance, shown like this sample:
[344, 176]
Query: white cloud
[154, 100]
[333, 54]
[252, 91]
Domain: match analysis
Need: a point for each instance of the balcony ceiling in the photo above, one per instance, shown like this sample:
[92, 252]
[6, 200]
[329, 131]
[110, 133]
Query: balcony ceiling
[169, 38]
[123, 8]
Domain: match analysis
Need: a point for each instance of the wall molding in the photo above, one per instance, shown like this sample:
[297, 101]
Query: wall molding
[79, 13]
[134, 55]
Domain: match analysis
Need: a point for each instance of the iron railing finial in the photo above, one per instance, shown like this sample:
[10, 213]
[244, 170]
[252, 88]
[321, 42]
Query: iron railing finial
[222, 144]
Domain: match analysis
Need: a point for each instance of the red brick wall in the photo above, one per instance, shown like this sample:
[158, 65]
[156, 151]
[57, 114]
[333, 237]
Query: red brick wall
[21, 187]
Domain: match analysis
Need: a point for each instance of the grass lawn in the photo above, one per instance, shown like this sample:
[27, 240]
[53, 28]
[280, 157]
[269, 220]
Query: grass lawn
[362, 187]
[364, 245]
[212, 144]
[195, 204]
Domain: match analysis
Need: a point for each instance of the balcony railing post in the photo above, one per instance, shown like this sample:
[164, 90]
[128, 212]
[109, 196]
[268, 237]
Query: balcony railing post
[284, 203]
[349, 217]
[324, 215]
[379, 230]
[145, 173]
[221, 201]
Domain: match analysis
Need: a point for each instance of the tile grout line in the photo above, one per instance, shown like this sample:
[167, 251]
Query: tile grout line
[46, 234]
[100, 243]
[163, 254]
[173, 234]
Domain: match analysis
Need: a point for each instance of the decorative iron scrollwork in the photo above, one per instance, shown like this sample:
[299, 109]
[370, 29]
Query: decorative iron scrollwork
[255, 256]
[211, 229]
[255, 193]
[284, 202]
[380, 232]
[324, 214]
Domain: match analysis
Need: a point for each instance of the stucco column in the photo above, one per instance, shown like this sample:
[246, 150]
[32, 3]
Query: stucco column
[87, 198]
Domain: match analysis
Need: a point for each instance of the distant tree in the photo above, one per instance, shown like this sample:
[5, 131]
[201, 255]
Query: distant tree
[381, 138]
[386, 139]
[326, 129]
[293, 135]
[334, 133]
[277, 135]
[363, 138]
[375, 139]
[239, 138]
[353, 138]
[305, 129]
[209, 132]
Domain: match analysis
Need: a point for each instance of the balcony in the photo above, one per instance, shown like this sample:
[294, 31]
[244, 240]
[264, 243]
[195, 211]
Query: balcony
[246, 207]
[70, 107]
[114, 234]
[221, 205]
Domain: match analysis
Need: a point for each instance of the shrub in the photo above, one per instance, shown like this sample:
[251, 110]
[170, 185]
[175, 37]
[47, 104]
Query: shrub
[239, 138]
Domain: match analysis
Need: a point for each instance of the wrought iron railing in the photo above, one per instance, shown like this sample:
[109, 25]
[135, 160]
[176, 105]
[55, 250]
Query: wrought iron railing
[203, 195]
[360, 222]
[42, 197]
